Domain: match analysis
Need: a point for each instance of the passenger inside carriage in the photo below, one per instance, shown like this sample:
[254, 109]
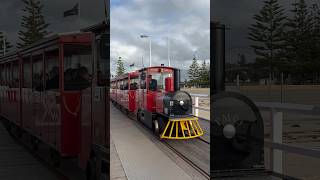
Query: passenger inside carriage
[52, 81]
[77, 79]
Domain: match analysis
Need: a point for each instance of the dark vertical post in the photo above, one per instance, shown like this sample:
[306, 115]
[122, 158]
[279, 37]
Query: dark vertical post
[217, 72]
[176, 79]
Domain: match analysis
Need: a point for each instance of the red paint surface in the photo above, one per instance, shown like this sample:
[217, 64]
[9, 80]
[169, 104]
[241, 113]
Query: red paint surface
[132, 100]
[169, 84]
[70, 127]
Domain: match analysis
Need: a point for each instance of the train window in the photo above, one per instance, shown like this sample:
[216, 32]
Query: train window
[134, 83]
[126, 84]
[160, 78]
[15, 75]
[143, 80]
[27, 74]
[37, 73]
[77, 67]
[121, 84]
[52, 69]
[153, 85]
[143, 84]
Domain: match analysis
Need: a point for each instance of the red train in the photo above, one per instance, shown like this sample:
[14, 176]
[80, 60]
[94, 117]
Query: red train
[154, 95]
[55, 91]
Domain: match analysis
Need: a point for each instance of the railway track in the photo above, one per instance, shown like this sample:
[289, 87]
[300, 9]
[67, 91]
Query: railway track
[198, 158]
[200, 169]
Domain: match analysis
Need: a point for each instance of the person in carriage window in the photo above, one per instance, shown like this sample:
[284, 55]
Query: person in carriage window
[53, 80]
[83, 78]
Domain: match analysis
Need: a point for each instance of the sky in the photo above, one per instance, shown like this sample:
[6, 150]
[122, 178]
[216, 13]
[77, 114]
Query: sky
[91, 12]
[185, 22]
[238, 16]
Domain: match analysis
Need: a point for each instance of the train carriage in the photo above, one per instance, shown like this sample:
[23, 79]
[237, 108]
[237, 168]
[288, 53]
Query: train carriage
[123, 91]
[55, 90]
[154, 95]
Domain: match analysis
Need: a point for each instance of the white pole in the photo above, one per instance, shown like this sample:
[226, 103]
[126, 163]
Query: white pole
[276, 135]
[196, 104]
[168, 43]
[150, 51]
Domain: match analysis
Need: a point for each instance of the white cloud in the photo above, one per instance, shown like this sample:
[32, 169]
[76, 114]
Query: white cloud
[185, 22]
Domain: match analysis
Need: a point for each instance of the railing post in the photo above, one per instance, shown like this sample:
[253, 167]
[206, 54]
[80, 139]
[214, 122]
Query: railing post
[196, 105]
[276, 135]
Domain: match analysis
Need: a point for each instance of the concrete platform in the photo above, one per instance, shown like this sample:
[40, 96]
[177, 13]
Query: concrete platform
[135, 157]
[17, 164]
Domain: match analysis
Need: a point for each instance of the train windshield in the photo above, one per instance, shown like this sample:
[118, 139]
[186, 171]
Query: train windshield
[160, 77]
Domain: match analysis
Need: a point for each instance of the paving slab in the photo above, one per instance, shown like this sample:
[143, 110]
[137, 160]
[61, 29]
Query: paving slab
[141, 159]
[16, 163]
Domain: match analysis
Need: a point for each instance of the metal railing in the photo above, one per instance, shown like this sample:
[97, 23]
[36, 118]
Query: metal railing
[276, 147]
[195, 105]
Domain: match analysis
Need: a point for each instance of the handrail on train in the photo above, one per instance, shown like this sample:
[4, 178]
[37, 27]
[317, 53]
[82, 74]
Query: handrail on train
[276, 146]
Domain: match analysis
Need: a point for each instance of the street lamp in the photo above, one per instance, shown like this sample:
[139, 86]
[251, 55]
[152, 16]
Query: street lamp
[146, 36]
[168, 44]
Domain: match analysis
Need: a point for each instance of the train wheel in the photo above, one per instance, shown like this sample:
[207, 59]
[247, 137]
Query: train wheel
[91, 169]
[7, 125]
[138, 116]
[19, 132]
[55, 157]
[34, 143]
[156, 128]
[141, 117]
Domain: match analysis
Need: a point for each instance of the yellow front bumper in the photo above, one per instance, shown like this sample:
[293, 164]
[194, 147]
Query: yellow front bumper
[185, 128]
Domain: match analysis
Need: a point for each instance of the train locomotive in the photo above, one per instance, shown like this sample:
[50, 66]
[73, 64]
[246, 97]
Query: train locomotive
[153, 94]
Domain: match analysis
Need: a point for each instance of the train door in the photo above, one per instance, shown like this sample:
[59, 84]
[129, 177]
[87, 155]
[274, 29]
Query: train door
[152, 88]
[133, 86]
[146, 114]
[76, 96]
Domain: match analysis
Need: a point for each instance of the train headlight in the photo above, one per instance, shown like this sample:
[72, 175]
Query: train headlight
[229, 131]
[181, 103]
